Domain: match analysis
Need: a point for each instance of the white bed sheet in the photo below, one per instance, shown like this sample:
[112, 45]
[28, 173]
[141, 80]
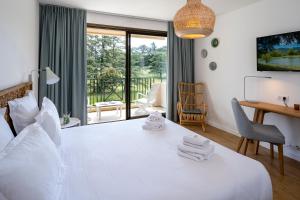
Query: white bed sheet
[121, 161]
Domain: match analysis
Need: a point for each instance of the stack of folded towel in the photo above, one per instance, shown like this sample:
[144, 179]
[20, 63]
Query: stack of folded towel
[154, 122]
[195, 148]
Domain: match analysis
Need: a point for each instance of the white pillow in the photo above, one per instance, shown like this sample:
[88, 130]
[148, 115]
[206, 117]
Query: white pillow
[48, 121]
[31, 167]
[49, 106]
[23, 111]
[5, 133]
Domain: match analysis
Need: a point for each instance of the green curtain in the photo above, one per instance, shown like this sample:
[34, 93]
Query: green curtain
[180, 68]
[63, 49]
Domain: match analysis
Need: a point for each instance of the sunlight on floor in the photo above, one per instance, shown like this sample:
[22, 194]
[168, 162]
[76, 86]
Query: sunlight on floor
[113, 115]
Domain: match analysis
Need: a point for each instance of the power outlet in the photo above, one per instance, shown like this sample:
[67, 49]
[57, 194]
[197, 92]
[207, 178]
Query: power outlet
[294, 147]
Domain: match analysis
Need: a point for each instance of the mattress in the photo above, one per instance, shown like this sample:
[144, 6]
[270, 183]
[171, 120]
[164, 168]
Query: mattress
[121, 161]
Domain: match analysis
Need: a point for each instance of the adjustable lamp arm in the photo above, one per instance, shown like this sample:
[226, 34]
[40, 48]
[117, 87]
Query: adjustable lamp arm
[37, 71]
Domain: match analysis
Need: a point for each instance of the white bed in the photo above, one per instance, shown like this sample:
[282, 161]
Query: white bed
[121, 161]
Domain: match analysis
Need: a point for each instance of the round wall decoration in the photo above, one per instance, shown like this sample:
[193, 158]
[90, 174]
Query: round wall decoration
[215, 42]
[204, 53]
[212, 66]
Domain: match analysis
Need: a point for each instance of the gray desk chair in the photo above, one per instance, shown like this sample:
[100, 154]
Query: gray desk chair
[258, 132]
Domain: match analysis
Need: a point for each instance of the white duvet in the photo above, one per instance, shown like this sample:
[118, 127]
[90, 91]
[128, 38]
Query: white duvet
[121, 161]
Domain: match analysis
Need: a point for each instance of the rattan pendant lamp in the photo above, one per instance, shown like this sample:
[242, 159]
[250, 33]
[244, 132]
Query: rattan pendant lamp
[194, 20]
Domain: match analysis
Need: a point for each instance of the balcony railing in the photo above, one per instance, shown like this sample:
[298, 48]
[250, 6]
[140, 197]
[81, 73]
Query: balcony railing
[100, 90]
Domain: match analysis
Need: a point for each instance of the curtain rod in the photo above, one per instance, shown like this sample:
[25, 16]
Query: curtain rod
[128, 16]
[111, 14]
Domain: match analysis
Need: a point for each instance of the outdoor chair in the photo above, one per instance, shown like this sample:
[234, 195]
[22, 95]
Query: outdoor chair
[147, 100]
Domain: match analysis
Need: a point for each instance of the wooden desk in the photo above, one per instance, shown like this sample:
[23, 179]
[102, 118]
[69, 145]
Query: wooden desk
[261, 108]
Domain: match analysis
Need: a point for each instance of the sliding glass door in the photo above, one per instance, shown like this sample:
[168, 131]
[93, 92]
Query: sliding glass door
[106, 70]
[148, 74]
[126, 73]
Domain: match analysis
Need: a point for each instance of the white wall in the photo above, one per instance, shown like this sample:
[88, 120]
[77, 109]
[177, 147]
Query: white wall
[236, 57]
[123, 21]
[18, 41]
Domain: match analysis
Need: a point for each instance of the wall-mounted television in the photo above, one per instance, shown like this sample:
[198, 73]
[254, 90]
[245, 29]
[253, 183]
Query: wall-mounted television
[279, 52]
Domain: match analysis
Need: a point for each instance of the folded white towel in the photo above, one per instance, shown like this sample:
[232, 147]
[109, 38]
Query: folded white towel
[195, 140]
[196, 146]
[189, 156]
[204, 151]
[195, 157]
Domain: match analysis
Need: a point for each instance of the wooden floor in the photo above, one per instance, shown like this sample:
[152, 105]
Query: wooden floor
[285, 187]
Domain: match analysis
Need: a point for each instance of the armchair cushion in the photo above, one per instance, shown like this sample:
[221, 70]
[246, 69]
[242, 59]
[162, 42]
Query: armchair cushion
[191, 111]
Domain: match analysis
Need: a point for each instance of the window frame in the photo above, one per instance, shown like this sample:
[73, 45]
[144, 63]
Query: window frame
[129, 31]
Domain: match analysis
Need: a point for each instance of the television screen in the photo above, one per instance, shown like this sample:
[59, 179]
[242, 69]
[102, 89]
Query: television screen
[279, 52]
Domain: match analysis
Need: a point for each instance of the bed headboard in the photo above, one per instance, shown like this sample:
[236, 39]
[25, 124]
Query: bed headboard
[9, 94]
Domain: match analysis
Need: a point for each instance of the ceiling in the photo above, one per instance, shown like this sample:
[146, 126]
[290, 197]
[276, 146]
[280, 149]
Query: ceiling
[156, 9]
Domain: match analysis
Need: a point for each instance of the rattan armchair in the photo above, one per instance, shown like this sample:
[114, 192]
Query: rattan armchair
[192, 108]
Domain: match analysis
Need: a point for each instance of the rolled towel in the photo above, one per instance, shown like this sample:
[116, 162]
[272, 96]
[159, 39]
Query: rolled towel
[190, 150]
[159, 120]
[195, 140]
[154, 122]
[154, 117]
[154, 126]
[156, 113]
[150, 123]
[189, 156]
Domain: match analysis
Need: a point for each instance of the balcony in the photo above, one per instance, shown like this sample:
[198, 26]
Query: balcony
[107, 101]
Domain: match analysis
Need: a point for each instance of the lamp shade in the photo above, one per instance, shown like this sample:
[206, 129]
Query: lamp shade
[51, 78]
[194, 20]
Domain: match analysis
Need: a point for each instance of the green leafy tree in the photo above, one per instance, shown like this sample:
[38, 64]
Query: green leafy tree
[291, 52]
[266, 57]
[107, 58]
[275, 54]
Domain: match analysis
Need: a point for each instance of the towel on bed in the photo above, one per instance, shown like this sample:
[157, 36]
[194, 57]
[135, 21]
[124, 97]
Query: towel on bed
[154, 122]
[196, 148]
[156, 117]
[189, 156]
[153, 126]
[195, 140]
[204, 151]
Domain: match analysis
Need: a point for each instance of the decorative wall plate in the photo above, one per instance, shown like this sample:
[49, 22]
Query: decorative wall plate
[212, 66]
[215, 42]
[204, 53]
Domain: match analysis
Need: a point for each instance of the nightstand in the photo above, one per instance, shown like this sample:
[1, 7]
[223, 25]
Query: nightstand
[73, 122]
